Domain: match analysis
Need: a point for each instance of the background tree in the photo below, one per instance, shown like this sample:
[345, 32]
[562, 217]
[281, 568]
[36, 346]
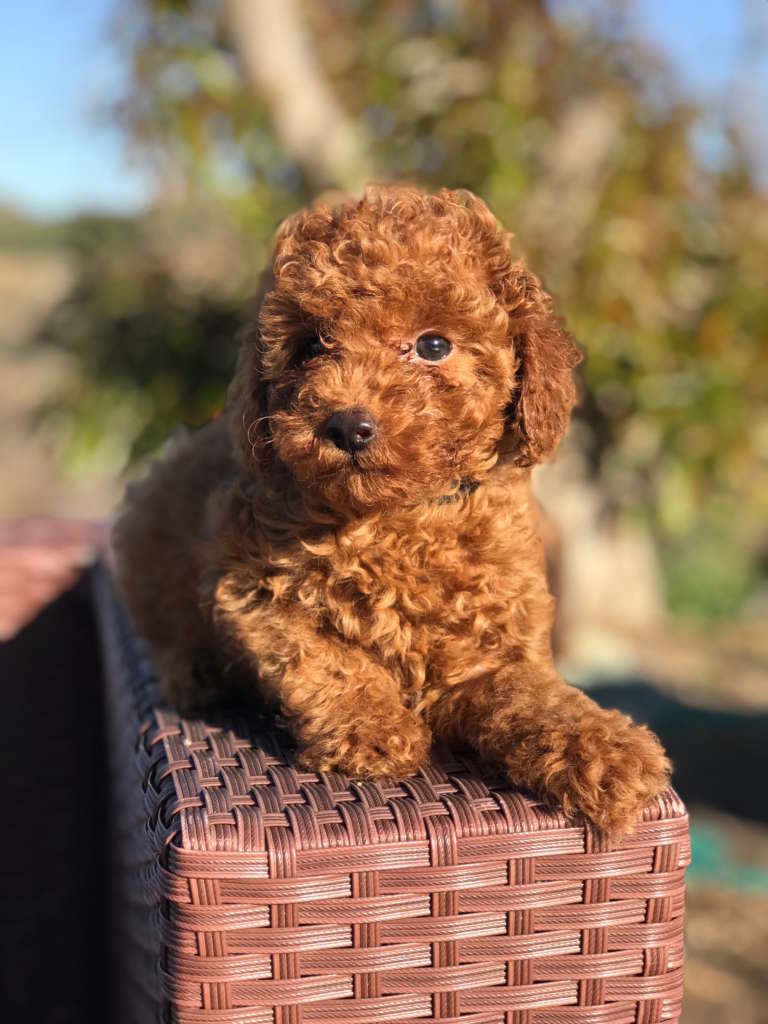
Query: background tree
[578, 137]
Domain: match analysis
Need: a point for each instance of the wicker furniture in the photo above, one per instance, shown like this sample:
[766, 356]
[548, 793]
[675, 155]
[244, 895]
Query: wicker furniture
[251, 892]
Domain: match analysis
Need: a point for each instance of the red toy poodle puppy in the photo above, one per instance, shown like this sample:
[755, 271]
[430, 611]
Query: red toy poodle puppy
[356, 540]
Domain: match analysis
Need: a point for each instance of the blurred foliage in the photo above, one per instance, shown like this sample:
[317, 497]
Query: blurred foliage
[21, 233]
[575, 133]
[135, 333]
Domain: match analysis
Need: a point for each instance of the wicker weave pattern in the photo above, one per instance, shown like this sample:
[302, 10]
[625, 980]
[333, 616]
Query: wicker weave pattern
[262, 893]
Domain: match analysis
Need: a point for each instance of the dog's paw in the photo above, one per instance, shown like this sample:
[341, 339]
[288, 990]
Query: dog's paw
[398, 748]
[607, 771]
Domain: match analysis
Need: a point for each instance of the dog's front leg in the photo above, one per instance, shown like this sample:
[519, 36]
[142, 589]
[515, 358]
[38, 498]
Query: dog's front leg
[343, 705]
[347, 713]
[553, 740]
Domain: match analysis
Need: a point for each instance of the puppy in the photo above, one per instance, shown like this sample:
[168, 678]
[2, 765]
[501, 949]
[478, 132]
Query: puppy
[355, 540]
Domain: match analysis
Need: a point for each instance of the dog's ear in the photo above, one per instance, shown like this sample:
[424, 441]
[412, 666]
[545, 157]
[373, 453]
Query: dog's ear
[247, 395]
[545, 357]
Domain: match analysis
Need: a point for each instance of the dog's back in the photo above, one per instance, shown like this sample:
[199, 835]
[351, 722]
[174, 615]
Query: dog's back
[159, 539]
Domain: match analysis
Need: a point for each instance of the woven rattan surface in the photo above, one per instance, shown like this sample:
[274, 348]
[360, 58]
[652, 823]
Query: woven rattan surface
[251, 891]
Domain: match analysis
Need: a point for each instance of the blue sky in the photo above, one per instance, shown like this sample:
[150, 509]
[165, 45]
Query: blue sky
[701, 37]
[60, 152]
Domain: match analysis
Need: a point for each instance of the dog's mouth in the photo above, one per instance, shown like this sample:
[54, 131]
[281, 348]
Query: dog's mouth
[338, 464]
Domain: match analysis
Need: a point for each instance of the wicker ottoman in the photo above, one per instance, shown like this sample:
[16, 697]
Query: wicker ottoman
[248, 891]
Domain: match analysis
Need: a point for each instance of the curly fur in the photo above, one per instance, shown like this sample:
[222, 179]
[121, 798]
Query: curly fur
[378, 600]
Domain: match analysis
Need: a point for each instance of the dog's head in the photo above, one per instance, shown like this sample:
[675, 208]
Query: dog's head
[399, 352]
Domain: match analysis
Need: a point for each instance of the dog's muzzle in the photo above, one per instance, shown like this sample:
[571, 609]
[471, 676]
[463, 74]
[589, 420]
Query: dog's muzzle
[350, 429]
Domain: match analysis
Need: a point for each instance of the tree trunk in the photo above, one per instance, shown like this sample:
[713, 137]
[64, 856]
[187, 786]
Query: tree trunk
[280, 65]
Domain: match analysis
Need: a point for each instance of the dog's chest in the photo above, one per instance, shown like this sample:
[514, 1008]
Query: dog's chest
[403, 593]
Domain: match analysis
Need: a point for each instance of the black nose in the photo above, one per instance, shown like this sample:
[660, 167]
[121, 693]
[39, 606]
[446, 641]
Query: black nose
[350, 429]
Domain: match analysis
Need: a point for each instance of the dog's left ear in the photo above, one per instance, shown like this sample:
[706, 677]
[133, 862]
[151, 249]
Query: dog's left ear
[545, 356]
[247, 395]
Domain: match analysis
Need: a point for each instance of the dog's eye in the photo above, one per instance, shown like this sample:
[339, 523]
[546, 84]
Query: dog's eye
[312, 347]
[433, 347]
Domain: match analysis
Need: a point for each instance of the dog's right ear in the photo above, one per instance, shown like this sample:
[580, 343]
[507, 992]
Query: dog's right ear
[543, 391]
[546, 355]
[247, 395]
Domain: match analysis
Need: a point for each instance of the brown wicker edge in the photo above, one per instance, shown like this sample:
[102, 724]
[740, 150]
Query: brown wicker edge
[248, 891]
